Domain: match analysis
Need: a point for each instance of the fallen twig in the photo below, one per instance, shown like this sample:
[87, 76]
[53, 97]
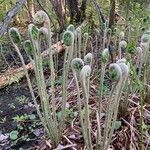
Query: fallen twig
[65, 147]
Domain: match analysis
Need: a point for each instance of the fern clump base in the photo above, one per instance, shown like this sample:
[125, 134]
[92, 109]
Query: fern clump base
[87, 104]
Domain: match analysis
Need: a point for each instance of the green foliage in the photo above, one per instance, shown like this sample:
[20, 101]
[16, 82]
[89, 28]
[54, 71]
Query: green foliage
[32, 117]
[53, 122]
[22, 99]
[58, 81]
[117, 124]
[14, 135]
[26, 125]
[69, 115]
[20, 118]
[131, 47]
[16, 78]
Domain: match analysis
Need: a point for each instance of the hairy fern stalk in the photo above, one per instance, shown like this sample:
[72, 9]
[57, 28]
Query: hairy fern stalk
[82, 67]
[33, 48]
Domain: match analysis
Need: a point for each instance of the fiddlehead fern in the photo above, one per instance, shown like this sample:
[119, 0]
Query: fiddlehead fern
[145, 38]
[139, 61]
[85, 82]
[105, 60]
[68, 39]
[104, 34]
[71, 28]
[119, 72]
[36, 36]
[78, 31]
[76, 65]
[88, 59]
[42, 18]
[15, 36]
[121, 36]
[85, 41]
[116, 76]
[122, 45]
[16, 39]
[33, 31]
[105, 56]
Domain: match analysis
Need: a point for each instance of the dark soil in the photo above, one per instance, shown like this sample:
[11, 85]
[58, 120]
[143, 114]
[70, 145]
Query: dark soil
[10, 105]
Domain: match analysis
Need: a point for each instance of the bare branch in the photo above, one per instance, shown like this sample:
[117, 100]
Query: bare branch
[10, 14]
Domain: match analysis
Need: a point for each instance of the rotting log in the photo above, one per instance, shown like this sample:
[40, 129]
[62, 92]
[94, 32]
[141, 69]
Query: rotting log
[12, 74]
[7, 77]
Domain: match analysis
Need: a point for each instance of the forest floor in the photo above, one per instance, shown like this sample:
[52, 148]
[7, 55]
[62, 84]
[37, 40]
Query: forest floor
[17, 113]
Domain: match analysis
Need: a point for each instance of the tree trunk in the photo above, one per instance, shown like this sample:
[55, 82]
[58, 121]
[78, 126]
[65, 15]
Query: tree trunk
[99, 12]
[83, 9]
[112, 13]
[73, 6]
[10, 75]
[77, 13]
[58, 6]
